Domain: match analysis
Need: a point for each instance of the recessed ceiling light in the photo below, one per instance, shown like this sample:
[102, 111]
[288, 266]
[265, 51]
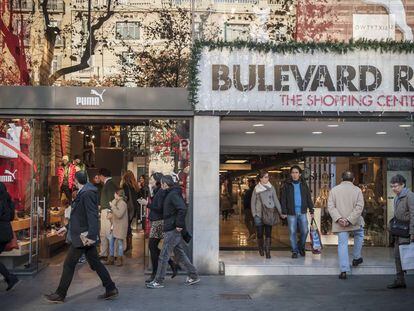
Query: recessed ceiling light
[236, 161]
[381, 133]
[317, 133]
[333, 125]
[285, 168]
[250, 133]
[223, 171]
[258, 125]
[275, 171]
[405, 125]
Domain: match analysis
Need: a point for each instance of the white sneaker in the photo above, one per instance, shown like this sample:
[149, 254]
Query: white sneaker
[191, 281]
[154, 285]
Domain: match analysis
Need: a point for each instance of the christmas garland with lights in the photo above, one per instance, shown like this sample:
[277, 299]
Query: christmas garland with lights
[292, 47]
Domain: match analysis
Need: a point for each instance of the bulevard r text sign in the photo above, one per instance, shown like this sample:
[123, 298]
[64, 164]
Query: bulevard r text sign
[358, 81]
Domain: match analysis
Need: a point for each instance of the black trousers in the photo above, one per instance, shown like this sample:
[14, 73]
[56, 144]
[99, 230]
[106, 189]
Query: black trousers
[267, 231]
[70, 264]
[3, 270]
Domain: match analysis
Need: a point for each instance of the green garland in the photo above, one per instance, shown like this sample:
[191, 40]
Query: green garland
[292, 47]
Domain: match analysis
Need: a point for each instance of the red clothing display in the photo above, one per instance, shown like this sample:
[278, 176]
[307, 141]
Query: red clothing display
[71, 175]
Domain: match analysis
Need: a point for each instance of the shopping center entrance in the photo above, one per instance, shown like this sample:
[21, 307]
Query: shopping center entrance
[373, 151]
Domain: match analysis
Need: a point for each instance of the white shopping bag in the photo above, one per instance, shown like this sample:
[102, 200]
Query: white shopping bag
[407, 256]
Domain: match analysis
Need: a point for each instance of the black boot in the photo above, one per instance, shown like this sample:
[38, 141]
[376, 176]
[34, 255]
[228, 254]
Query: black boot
[398, 283]
[267, 246]
[174, 268]
[260, 246]
[128, 244]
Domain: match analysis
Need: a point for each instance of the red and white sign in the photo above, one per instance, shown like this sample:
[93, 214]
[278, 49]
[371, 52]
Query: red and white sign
[243, 80]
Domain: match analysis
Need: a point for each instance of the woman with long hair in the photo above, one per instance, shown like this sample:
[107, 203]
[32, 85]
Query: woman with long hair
[131, 189]
[6, 233]
[266, 211]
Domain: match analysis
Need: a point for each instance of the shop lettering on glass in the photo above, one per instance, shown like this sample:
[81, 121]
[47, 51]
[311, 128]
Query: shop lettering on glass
[367, 81]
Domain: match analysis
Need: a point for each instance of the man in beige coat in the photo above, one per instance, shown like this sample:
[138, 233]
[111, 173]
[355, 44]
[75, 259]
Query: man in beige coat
[345, 205]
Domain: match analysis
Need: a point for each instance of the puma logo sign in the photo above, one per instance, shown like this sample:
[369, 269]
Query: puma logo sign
[89, 100]
[95, 92]
[8, 176]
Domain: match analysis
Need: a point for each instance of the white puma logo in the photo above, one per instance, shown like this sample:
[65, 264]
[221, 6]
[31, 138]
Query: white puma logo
[96, 93]
[11, 174]
[396, 8]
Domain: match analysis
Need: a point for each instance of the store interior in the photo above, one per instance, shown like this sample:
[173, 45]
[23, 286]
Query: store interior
[45, 150]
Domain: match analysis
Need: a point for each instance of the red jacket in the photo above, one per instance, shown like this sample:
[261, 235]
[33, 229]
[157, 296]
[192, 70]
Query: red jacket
[71, 177]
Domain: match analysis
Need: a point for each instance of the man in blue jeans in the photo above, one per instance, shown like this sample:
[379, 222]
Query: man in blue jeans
[345, 205]
[296, 201]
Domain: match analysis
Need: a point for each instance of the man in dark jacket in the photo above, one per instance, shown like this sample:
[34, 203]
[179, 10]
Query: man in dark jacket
[83, 234]
[247, 202]
[296, 201]
[174, 212]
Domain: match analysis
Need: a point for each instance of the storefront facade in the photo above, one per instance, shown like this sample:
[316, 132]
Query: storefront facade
[142, 130]
[361, 92]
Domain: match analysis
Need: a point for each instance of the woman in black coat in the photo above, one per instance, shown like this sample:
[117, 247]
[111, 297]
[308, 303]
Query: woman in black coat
[6, 233]
[157, 224]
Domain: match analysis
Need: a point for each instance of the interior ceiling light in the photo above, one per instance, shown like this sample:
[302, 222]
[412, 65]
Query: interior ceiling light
[317, 133]
[285, 168]
[275, 171]
[250, 133]
[381, 133]
[405, 125]
[236, 161]
[333, 125]
[258, 125]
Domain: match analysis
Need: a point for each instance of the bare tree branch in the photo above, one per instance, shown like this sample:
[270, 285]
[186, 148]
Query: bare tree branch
[90, 44]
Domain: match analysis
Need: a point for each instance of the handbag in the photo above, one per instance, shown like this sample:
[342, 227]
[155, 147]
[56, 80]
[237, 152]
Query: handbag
[186, 236]
[399, 228]
[12, 244]
[407, 256]
[269, 215]
[315, 237]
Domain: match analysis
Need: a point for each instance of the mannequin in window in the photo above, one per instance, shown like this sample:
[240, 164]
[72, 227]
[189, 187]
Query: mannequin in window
[66, 175]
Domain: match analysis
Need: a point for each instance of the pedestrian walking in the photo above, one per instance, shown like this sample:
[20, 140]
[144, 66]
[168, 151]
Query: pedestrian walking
[403, 213]
[225, 200]
[83, 233]
[131, 189]
[345, 205]
[6, 233]
[118, 216]
[266, 210]
[157, 225]
[247, 204]
[296, 201]
[107, 195]
[174, 212]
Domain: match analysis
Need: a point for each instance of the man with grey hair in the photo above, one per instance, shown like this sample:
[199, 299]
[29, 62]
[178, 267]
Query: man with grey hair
[345, 205]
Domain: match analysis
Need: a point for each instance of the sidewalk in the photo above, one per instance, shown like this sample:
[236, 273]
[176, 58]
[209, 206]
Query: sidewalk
[321, 293]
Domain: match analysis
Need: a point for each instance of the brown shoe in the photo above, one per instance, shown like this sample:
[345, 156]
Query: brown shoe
[119, 261]
[110, 261]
